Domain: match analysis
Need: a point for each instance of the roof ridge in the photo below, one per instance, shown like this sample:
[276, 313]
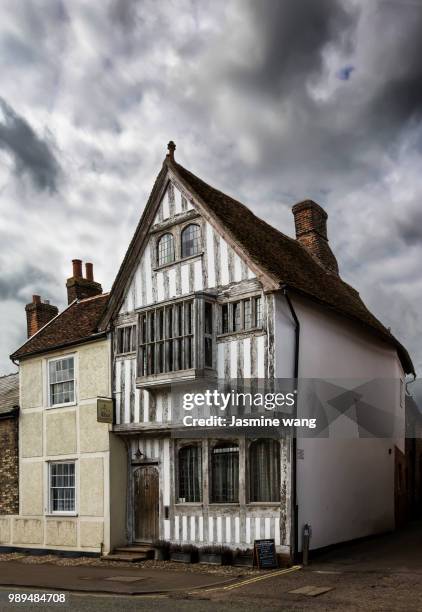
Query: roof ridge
[92, 297]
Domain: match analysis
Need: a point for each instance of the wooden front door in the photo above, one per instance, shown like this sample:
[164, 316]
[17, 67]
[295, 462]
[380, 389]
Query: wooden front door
[146, 503]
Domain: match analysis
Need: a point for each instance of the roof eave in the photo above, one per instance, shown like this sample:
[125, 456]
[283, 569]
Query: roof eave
[91, 338]
[402, 352]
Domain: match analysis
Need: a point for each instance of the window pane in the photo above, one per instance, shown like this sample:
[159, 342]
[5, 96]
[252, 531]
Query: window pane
[236, 316]
[61, 370]
[225, 474]
[188, 317]
[225, 319]
[62, 393]
[264, 469]
[165, 249]
[191, 240]
[208, 318]
[208, 352]
[190, 474]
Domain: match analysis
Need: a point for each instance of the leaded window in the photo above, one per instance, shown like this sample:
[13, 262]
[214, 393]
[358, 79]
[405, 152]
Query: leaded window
[264, 471]
[62, 487]
[190, 474]
[225, 473]
[61, 381]
[165, 249]
[191, 240]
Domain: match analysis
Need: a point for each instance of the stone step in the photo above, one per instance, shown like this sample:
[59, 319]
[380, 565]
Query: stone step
[126, 557]
[142, 548]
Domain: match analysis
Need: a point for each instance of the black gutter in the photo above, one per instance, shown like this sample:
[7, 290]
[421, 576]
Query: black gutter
[295, 507]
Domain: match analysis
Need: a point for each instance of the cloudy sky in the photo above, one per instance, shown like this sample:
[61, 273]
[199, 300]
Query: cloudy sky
[270, 101]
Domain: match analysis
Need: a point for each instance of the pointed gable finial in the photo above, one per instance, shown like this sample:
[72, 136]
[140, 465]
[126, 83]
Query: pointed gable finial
[171, 149]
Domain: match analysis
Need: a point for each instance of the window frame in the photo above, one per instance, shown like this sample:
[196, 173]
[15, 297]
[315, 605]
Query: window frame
[250, 471]
[183, 229]
[50, 511]
[229, 444]
[226, 325]
[134, 338]
[49, 403]
[161, 264]
[183, 447]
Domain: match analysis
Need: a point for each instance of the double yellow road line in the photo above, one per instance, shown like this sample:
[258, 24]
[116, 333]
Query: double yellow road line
[238, 585]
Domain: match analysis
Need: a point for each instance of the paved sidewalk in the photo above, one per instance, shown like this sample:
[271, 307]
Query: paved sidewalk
[122, 581]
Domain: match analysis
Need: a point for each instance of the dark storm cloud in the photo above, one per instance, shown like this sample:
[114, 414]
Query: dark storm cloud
[398, 99]
[17, 284]
[409, 226]
[30, 153]
[123, 13]
[270, 101]
[293, 36]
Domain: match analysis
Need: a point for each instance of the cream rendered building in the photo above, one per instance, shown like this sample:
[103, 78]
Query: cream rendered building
[65, 470]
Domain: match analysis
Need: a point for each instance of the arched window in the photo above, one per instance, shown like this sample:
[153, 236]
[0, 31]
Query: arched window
[165, 249]
[191, 240]
[264, 471]
[190, 474]
[225, 473]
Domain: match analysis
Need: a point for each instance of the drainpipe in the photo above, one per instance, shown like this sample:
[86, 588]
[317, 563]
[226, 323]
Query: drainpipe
[295, 508]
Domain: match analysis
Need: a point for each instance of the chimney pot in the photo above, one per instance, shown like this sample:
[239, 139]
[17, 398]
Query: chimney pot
[78, 287]
[311, 232]
[77, 268]
[89, 271]
[36, 299]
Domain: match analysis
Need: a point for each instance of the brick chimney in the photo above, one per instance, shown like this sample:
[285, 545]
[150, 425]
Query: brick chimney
[38, 313]
[311, 232]
[79, 287]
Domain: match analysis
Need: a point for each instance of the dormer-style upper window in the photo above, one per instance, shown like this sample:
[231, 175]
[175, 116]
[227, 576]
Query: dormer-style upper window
[191, 240]
[165, 249]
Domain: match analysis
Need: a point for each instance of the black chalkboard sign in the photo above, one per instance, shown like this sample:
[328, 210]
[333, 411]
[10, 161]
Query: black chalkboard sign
[264, 554]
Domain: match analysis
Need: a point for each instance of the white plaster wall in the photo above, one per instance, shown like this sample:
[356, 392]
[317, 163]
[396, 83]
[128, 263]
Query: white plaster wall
[345, 487]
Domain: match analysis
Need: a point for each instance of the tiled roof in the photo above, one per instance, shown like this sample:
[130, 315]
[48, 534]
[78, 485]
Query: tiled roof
[77, 323]
[9, 392]
[285, 259]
